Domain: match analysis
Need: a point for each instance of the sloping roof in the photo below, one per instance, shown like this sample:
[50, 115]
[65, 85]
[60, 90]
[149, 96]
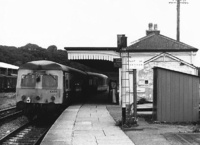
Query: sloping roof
[6, 65]
[159, 43]
[156, 67]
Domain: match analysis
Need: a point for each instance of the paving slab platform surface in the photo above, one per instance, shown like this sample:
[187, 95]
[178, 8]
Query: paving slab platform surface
[87, 124]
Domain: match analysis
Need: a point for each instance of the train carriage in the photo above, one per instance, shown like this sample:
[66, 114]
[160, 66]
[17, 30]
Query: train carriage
[98, 82]
[8, 77]
[8, 83]
[46, 85]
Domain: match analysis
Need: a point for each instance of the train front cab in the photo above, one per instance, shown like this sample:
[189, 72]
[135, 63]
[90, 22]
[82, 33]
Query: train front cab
[39, 91]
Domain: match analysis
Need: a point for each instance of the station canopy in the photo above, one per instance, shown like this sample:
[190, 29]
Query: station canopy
[92, 53]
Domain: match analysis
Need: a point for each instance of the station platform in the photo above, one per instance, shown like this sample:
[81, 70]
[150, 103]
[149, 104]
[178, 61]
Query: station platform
[88, 124]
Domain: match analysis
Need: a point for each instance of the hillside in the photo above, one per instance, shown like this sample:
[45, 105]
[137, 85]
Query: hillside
[32, 52]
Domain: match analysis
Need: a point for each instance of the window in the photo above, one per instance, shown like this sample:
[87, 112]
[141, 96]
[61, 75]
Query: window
[49, 81]
[146, 82]
[67, 84]
[90, 82]
[28, 80]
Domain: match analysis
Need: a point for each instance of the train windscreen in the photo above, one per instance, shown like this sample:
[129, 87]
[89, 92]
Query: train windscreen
[49, 81]
[28, 80]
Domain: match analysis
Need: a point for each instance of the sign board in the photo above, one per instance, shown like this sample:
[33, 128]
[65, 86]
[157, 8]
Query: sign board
[181, 2]
[136, 63]
[117, 62]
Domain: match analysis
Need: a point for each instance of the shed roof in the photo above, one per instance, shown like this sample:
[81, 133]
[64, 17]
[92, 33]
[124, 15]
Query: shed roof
[9, 66]
[159, 43]
[156, 68]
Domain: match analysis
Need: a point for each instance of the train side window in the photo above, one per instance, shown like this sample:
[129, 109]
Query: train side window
[90, 82]
[67, 84]
[95, 81]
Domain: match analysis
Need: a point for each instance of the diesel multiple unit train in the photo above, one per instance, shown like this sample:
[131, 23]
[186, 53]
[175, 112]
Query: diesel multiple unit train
[44, 86]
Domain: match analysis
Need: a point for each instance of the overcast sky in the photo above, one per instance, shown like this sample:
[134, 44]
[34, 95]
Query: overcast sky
[82, 23]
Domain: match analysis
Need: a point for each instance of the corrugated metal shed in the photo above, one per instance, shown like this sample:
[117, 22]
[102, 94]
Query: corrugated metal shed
[176, 96]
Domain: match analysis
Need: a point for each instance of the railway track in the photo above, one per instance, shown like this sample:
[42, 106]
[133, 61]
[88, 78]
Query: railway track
[29, 134]
[2, 111]
[9, 113]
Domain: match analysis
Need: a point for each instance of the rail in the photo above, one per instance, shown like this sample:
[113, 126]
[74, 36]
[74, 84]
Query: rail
[28, 133]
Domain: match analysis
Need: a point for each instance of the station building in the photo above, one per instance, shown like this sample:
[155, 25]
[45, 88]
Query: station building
[160, 51]
[155, 49]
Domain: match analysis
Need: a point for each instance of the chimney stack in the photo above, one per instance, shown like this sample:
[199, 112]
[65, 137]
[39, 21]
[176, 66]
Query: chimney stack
[150, 26]
[153, 29]
[121, 41]
[155, 26]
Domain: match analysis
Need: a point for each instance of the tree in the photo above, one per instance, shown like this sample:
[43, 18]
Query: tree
[32, 52]
[52, 48]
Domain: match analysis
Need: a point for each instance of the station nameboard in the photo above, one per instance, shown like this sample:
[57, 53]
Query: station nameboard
[181, 2]
[136, 63]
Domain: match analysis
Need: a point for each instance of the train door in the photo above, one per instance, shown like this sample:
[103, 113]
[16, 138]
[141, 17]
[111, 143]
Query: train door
[66, 86]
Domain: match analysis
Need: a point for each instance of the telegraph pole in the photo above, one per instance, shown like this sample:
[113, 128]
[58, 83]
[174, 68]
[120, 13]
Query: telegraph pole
[178, 21]
[178, 2]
